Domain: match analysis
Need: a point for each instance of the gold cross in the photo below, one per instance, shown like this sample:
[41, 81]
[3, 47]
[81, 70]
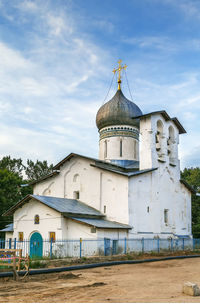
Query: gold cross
[119, 69]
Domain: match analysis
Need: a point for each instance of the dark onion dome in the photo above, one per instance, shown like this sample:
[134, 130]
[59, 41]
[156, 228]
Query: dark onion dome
[118, 111]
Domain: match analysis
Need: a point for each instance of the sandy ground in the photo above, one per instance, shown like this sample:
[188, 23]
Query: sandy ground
[142, 283]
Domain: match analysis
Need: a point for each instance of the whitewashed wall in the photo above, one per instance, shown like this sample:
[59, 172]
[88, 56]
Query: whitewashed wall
[158, 190]
[50, 220]
[97, 188]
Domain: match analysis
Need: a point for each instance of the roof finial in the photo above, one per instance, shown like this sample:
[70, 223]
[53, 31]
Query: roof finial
[119, 69]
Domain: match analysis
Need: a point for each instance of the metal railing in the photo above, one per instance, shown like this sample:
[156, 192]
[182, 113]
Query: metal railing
[98, 247]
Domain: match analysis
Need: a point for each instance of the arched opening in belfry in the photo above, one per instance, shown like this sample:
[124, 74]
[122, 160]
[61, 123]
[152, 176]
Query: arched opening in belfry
[159, 138]
[171, 144]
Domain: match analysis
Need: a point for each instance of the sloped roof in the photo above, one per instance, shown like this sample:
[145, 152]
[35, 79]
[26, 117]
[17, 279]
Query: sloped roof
[124, 172]
[65, 206]
[8, 227]
[188, 186]
[102, 223]
[45, 177]
[166, 117]
[128, 171]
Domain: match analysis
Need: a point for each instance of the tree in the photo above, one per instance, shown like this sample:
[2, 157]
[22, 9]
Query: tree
[12, 165]
[14, 183]
[10, 193]
[37, 170]
[192, 177]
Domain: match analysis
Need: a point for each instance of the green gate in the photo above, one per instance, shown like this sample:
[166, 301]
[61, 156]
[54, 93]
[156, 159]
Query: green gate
[36, 245]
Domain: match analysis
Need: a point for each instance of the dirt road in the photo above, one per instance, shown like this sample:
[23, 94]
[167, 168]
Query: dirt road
[159, 282]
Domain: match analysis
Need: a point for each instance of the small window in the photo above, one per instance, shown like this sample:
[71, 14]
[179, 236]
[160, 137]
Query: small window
[52, 236]
[104, 209]
[120, 153]
[75, 178]
[21, 236]
[36, 219]
[105, 149]
[93, 230]
[76, 195]
[166, 216]
[148, 209]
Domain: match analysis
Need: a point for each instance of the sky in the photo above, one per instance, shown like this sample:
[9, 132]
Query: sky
[56, 62]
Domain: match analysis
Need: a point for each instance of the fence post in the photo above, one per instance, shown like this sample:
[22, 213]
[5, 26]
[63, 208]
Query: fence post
[81, 247]
[15, 243]
[124, 245]
[143, 245]
[193, 244]
[51, 246]
[10, 243]
[171, 244]
[158, 245]
[183, 245]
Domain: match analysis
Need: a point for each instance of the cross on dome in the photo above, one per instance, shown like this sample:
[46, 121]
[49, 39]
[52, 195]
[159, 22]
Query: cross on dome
[119, 69]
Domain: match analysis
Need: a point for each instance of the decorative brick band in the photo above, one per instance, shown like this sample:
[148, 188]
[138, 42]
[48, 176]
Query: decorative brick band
[116, 131]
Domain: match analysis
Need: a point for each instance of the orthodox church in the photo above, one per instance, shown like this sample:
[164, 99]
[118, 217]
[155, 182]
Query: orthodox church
[132, 190]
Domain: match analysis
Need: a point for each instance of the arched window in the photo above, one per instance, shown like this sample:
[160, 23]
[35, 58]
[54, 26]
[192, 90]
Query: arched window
[171, 146]
[75, 177]
[120, 151]
[159, 139]
[105, 149]
[135, 149]
[36, 219]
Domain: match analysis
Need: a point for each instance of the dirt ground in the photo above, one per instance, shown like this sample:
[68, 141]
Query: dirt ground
[159, 282]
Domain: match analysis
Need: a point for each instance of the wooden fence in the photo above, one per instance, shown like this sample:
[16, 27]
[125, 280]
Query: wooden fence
[13, 258]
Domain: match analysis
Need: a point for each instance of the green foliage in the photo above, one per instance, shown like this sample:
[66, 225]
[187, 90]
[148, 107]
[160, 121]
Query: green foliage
[37, 264]
[12, 165]
[14, 179]
[192, 177]
[9, 193]
[37, 170]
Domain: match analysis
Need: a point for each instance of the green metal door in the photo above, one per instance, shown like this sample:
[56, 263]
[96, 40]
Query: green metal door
[36, 245]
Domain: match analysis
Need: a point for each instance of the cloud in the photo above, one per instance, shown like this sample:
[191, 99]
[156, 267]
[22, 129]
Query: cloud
[45, 97]
[54, 77]
[155, 42]
[190, 8]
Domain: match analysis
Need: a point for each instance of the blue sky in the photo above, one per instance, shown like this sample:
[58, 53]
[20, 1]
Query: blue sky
[56, 62]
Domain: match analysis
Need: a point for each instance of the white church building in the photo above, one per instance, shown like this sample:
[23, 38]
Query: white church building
[132, 190]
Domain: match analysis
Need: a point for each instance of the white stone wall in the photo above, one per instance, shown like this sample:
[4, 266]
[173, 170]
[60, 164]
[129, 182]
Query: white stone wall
[8, 235]
[112, 234]
[50, 221]
[73, 230]
[152, 193]
[98, 188]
